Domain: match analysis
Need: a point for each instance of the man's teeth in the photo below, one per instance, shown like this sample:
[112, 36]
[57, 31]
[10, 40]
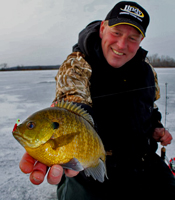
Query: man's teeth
[116, 52]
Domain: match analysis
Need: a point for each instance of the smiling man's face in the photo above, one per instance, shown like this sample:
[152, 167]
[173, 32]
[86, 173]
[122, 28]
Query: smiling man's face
[119, 43]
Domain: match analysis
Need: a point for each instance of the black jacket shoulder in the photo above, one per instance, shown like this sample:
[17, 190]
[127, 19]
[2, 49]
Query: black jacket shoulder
[86, 37]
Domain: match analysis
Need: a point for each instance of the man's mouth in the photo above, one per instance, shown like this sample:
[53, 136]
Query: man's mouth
[117, 53]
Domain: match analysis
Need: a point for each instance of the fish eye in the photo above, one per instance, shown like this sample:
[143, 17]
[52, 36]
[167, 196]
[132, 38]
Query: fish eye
[55, 125]
[30, 125]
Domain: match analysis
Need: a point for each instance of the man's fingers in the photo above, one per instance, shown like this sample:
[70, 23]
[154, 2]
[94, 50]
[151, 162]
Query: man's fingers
[166, 142]
[37, 177]
[163, 136]
[55, 174]
[159, 132]
[39, 170]
[27, 163]
[166, 139]
[70, 173]
[38, 174]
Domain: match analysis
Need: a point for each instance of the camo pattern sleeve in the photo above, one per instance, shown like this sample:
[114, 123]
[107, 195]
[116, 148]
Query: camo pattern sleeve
[72, 80]
[157, 94]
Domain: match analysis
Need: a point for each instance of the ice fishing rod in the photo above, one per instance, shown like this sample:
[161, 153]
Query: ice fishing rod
[171, 162]
[163, 149]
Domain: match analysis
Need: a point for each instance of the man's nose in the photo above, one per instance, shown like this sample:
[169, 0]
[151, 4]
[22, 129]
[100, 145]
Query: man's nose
[122, 43]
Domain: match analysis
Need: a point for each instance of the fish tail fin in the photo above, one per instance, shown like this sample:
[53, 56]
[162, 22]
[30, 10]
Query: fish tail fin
[98, 172]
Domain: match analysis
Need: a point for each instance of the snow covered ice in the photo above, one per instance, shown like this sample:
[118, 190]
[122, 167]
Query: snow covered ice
[21, 94]
[25, 92]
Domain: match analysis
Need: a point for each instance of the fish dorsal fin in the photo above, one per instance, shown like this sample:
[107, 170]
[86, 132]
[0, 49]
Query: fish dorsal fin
[78, 110]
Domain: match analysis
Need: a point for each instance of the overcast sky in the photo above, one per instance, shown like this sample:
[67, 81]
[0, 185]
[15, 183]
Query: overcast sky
[42, 32]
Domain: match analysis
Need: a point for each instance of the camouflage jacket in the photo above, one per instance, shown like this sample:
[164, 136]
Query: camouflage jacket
[73, 80]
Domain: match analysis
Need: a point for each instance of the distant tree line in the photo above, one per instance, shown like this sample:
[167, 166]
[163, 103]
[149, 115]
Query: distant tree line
[3, 65]
[161, 61]
[37, 67]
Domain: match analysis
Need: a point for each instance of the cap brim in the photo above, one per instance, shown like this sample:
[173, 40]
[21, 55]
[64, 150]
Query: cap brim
[119, 21]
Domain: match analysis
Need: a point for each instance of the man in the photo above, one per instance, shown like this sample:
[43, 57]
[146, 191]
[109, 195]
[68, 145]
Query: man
[107, 75]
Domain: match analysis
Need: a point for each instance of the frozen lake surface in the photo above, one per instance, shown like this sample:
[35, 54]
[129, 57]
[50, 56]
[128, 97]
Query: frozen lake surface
[25, 92]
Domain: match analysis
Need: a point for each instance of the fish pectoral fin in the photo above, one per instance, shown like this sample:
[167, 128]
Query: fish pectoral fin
[73, 164]
[63, 140]
[98, 172]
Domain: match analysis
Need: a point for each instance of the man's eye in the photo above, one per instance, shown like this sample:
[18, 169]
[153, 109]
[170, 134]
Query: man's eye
[133, 39]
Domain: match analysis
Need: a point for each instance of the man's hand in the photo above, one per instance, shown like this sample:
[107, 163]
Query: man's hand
[163, 136]
[38, 171]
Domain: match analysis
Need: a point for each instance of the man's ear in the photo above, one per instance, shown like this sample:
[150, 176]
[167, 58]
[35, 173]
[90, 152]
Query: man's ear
[102, 27]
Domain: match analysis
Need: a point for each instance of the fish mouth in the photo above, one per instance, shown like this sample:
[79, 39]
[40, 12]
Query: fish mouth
[25, 142]
[19, 138]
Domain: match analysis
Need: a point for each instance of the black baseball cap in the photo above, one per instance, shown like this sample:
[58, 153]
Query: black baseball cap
[130, 13]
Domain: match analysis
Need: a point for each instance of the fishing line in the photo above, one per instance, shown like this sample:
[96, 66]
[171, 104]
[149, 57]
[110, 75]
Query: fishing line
[113, 94]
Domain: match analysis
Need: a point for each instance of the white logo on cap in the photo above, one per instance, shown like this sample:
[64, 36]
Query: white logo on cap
[132, 10]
